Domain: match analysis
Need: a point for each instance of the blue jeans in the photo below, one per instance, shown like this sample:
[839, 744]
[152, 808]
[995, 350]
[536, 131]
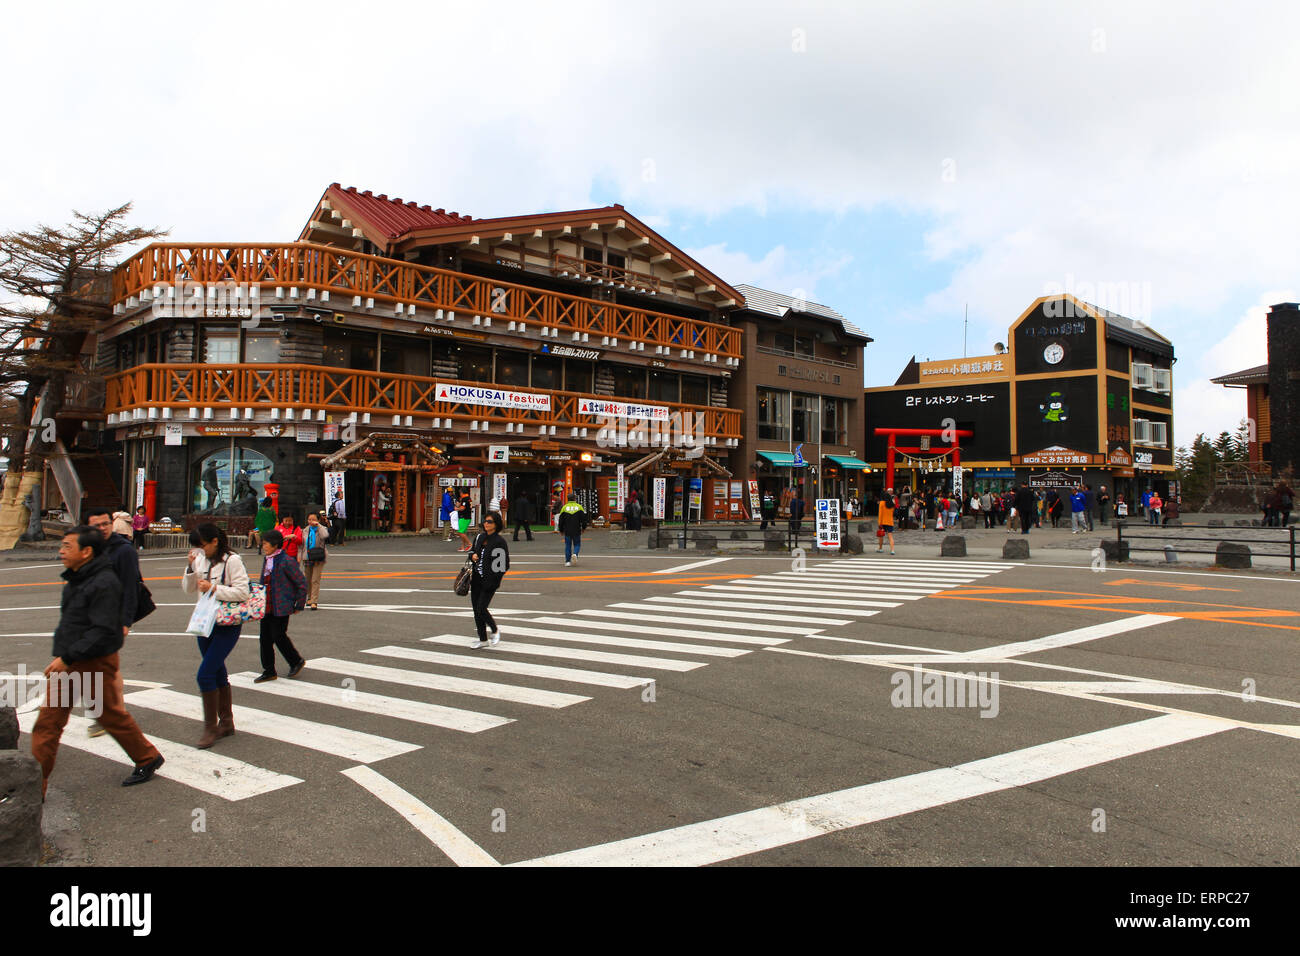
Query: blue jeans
[215, 649]
[572, 545]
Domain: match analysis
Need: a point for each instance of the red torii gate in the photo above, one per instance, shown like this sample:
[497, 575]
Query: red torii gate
[893, 433]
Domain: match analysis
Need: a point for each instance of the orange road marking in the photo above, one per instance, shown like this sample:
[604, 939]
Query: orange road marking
[1156, 584]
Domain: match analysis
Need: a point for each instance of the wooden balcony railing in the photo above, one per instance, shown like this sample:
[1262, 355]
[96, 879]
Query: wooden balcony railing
[601, 273]
[310, 266]
[342, 391]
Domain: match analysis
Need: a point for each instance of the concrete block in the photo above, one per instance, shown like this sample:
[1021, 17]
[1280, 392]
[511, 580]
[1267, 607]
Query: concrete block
[1241, 523]
[1232, 554]
[968, 522]
[773, 541]
[20, 809]
[1115, 551]
[1214, 523]
[954, 546]
[8, 728]
[1016, 549]
[851, 544]
[739, 535]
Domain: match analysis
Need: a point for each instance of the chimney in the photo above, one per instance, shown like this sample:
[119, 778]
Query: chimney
[1284, 389]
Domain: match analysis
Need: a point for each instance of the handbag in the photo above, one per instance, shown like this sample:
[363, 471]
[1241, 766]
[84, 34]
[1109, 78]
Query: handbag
[204, 617]
[237, 612]
[463, 577]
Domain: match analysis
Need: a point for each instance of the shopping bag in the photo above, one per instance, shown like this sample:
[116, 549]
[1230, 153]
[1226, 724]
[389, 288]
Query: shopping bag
[204, 618]
[238, 612]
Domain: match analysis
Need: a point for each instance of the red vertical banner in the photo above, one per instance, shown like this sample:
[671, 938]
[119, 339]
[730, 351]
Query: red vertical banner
[568, 482]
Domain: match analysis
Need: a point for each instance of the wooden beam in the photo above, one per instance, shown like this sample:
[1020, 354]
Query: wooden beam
[662, 257]
[639, 242]
[688, 274]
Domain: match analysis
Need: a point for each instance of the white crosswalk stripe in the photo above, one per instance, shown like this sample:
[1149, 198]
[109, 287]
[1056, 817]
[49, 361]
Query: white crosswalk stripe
[842, 599]
[455, 685]
[502, 666]
[699, 633]
[750, 616]
[575, 637]
[643, 614]
[577, 654]
[736, 601]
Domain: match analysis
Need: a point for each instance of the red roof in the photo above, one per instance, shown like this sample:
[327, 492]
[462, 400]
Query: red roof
[392, 216]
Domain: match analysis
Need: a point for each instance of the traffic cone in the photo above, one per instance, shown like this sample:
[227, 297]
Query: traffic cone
[939, 524]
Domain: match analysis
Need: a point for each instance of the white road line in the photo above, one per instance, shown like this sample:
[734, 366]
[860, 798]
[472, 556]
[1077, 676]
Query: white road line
[753, 606]
[741, 834]
[459, 848]
[808, 597]
[326, 738]
[643, 614]
[1066, 638]
[205, 770]
[834, 589]
[800, 581]
[454, 685]
[502, 666]
[697, 633]
[907, 580]
[1111, 687]
[907, 647]
[577, 654]
[560, 632]
[749, 615]
[434, 715]
[688, 567]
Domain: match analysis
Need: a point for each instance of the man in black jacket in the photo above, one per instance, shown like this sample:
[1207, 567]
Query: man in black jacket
[126, 564]
[1026, 508]
[525, 513]
[86, 645]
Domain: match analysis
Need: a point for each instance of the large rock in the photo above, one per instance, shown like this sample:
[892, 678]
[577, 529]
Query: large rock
[654, 540]
[8, 728]
[968, 522]
[1241, 523]
[1232, 554]
[773, 541]
[1116, 551]
[954, 546]
[705, 542]
[1016, 549]
[20, 809]
[739, 535]
[851, 544]
[1214, 523]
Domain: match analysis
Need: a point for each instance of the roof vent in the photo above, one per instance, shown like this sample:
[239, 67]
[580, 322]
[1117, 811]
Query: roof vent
[367, 193]
[440, 212]
[384, 197]
[335, 186]
[425, 208]
[454, 215]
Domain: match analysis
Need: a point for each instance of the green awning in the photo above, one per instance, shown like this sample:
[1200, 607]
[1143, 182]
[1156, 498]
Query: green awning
[782, 459]
[848, 462]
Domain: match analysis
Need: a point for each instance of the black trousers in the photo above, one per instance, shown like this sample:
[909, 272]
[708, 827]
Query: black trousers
[275, 633]
[337, 530]
[480, 597]
[1026, 522]
[521, 523]
[769, 517]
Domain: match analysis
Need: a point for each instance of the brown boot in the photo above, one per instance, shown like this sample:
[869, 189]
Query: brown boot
[209, 720]
[225, 713]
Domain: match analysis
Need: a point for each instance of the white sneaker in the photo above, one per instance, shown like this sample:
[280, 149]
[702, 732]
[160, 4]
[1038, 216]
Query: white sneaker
[477, 644]
[494, 637]
[566, 564]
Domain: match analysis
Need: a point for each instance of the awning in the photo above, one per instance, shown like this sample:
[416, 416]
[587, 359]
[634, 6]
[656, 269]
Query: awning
[848, 462]
[782, 459]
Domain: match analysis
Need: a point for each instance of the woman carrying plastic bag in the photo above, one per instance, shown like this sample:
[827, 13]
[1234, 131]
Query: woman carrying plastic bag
[219, 575]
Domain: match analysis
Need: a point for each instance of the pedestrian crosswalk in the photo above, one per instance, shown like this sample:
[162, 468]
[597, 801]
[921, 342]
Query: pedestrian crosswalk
[547, 660]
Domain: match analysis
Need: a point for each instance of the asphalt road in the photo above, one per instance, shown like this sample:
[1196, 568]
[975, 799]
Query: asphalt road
[689, 709]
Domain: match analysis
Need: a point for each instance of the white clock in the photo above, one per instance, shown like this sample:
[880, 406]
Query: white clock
[1053, 353]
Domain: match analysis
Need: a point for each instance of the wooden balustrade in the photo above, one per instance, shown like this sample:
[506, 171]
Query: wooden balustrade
[342, 391]
[310, 266]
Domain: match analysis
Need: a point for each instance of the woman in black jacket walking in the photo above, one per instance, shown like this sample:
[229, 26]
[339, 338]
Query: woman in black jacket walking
[491, 559]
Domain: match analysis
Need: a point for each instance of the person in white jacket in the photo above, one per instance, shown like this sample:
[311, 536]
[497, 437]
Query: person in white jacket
[213, 566]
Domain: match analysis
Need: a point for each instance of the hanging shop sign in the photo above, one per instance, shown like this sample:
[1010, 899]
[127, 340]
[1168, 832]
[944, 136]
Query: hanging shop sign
[1056, 455]
[661, 492]
[493, 397]
[828, 524]
[307, 433]
[333, 485]
[172, 433]
[1118, 456]
[330, 432]
[1143, 459]
[139, 487]
[622, 490]
[1055, 479]
[227, 431]
[499, 486]
[957, 482]
[498, 454]
[597, 406]
[391, 441]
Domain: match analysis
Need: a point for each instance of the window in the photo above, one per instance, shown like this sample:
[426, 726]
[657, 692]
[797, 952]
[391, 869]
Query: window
[403, 355]
[805, 345]
[629, 381]
[475, 363]
[1163, 380]
[803, 417]
[1160, 434]
[351, 348]
[221, 345]
[616, 260]
[548, 372]
[695, 390]
[577, 375]
[229, 476]
[1143, 376]
[262, 347]
[512, 367]
[773, 415]
[834, 422]
[664, 386]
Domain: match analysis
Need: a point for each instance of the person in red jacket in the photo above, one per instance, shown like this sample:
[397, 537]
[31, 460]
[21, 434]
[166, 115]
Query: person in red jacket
[292, 536]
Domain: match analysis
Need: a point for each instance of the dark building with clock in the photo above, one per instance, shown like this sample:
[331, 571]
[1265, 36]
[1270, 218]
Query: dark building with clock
[1076, 394]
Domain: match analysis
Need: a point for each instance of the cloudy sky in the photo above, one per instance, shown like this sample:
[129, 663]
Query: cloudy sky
[902, 162]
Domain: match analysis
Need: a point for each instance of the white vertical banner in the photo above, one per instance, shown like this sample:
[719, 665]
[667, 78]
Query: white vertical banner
[661, 493]
[957, 482]
[333, 484]
[622, 490]
[499, 486]
[828, 524]
[139, 487]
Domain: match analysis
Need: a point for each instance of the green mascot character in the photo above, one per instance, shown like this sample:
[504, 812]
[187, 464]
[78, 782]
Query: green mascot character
[1054, 409]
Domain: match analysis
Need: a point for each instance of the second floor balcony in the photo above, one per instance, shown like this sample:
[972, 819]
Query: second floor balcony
[321, 393]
